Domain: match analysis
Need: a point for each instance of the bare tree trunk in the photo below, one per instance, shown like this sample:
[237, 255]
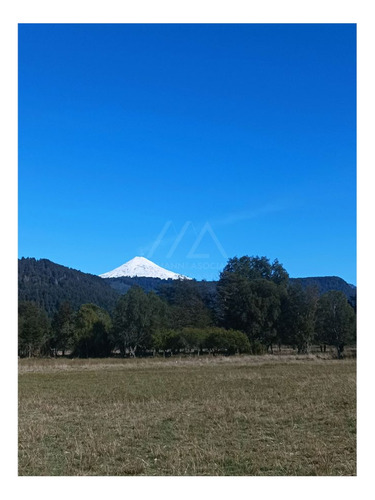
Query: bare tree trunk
[340, 349]
[338, 352]
[132, 351]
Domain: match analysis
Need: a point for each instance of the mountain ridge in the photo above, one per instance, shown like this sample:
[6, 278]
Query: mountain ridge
[50, 284]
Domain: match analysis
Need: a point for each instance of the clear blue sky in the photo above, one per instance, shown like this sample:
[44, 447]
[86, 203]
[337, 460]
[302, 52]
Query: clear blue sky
[221, 140]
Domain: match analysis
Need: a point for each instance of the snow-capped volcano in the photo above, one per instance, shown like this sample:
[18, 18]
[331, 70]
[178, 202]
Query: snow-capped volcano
[139, 266]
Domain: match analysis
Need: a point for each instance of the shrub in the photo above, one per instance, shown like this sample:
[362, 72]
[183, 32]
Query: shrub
[257, 348]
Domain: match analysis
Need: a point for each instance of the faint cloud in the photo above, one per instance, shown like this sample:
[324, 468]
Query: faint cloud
[233, 218]
[169, 238]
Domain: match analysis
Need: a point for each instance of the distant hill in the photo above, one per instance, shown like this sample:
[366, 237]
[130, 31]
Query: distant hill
[49, 284]
[323, 283]
[157, 285]
[327, 283]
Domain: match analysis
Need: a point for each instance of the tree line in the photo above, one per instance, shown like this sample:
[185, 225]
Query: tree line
[256, 308]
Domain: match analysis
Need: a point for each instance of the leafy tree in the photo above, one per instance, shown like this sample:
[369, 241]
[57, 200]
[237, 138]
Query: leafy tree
[250, 299]
[187, 305]
[160, 315]
[264, 304]
[255, 268]
[63, 328]
[101, 341]
[212, 338]
[192, 338]
[234, 293]
[335, 321]
[297, 319]
[92, 332]
[33, 329]
[137, 316]
[167, 340]
[278, 274]
[230, 340]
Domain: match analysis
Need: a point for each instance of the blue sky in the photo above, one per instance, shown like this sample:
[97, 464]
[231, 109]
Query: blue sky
[188, 144]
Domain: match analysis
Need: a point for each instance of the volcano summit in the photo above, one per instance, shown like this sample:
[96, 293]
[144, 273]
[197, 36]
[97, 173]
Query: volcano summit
[142, 267]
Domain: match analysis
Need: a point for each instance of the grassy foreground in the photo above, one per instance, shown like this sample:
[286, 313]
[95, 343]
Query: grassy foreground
[210, 416]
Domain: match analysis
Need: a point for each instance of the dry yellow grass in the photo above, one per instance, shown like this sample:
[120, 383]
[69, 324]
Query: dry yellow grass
[242, 415]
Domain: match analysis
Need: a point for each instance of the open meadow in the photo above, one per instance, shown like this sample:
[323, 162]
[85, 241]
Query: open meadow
[239, 415]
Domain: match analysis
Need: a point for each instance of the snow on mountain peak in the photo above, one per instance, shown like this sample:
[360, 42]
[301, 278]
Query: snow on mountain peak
[142, 267]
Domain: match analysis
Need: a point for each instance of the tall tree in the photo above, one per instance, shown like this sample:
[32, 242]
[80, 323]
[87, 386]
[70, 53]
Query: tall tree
[92, 332]
[335, 321]
[63, 328]
[33, 329]
[160, 317]
[249, 292]
[264, 312]
[187, 306]
[234, 296]
[255, 268]
[136, 317]
[297, 319]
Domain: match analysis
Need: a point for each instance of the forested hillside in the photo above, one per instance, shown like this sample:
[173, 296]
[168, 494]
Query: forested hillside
[208, 288]
[49, 285]
[123, 284]
[327, 283]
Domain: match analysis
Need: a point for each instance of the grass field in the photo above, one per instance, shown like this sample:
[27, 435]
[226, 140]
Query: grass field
[241, 415]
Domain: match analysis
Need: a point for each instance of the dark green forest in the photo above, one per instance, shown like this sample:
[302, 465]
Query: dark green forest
[253, 308]
[49, 285]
